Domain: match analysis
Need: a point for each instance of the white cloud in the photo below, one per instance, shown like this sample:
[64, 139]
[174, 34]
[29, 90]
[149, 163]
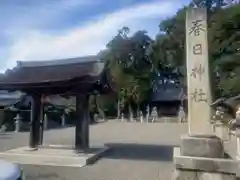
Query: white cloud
[40, 13]
[87, 39]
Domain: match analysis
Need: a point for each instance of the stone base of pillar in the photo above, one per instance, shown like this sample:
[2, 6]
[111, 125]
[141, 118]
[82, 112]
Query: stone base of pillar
[202, 157]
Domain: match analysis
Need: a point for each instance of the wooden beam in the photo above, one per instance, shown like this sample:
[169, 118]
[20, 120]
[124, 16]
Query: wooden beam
[49, 84]
[51, 90]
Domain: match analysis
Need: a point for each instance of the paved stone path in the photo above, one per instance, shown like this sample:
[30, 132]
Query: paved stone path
[139, 152]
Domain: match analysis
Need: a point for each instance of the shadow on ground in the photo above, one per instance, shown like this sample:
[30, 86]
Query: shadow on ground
[140, 152]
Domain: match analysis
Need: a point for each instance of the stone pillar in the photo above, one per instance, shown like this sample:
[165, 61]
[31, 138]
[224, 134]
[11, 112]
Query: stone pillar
[35, 121]
[63, 120]
[96, 117]
[3, 128]
[181, 115]
[199, 90]
[82, 122]
[154, 115]
[45, 121]
[201, 154]
[222, 131]
[148, 113]
[122, 117]
[130, 117]
[18, 122]
[141, 117]
[221, 126]
[238, 145]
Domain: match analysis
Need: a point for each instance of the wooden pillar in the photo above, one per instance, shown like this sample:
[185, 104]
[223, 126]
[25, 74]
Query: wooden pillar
[82, 122]
[1, 117]
[41, 130]
[35, 121]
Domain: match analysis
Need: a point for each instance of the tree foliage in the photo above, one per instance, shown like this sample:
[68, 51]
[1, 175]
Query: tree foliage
[223, 37]
[129, 63]
[132, 59]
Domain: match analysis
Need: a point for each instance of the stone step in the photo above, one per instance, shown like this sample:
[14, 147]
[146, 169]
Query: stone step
[53, 157]
[44, 160]
[48, 152]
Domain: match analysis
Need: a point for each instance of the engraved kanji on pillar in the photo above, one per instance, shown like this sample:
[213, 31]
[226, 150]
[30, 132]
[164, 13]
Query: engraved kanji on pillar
[199, 91]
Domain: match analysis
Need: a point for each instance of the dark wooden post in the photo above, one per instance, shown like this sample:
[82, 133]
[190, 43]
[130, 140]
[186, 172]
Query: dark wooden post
[82, 122]
[35, 121]
[41, 130]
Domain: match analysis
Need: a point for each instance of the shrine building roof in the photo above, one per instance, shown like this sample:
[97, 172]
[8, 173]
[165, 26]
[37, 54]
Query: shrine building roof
[52, 74]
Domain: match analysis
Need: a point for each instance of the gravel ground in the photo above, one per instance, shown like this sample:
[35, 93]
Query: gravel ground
[139, 152]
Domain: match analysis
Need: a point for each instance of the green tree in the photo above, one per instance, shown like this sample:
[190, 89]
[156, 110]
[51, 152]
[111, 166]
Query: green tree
[133, 60]
[223, 36]
[129, 63]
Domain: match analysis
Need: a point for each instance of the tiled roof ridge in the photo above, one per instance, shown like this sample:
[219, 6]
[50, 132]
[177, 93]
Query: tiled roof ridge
[55, 62]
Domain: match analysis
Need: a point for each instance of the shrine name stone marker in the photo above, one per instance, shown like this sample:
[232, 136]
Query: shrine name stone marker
[201, 154]
[199, 91]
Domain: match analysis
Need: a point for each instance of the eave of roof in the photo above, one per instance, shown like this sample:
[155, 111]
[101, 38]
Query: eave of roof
[55, 71]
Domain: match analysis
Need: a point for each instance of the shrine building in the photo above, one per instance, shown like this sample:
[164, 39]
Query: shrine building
[78, 77]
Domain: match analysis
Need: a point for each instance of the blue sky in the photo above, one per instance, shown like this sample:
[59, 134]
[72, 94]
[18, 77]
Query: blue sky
[52, 29]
